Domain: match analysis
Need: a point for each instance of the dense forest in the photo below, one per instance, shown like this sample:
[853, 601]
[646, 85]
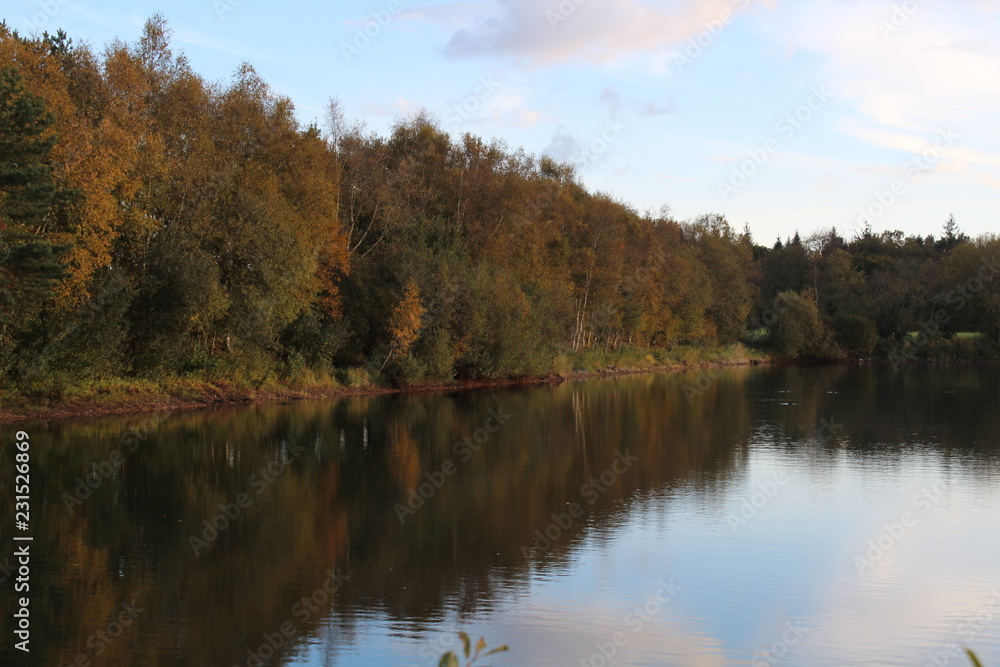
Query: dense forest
[153, 224]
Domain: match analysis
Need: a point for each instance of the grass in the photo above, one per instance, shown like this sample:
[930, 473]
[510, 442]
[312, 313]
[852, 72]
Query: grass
[645, 359]
[960, 335]
[61, 396]
[966, 346]
[121, 395]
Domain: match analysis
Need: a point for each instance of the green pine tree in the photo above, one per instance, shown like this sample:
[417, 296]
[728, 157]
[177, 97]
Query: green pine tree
[30, 264]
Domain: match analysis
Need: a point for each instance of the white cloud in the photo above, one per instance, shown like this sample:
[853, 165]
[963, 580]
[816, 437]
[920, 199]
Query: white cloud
[495, 103]
[564, 145]
[538, 33]
[908, 76]
[612, 101]
[509, 109]
[657, 109]
[398, 107]
[450, 14]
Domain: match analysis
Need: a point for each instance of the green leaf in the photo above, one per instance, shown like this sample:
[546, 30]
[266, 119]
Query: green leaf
[480, 645]
[449, 659]
[973, 658]
[465, 643]
[499, 649]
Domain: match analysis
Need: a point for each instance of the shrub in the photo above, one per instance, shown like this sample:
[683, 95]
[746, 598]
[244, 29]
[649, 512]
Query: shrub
[856, 335]
[799, 332]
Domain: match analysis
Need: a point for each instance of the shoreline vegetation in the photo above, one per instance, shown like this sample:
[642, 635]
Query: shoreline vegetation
[131, 397]
[126, 397]
[168, 241]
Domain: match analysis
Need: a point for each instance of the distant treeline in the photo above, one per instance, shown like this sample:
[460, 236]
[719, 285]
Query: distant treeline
[153, 223]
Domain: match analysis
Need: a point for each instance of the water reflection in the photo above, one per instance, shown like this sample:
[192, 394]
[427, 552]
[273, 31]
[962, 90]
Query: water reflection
[755, 497]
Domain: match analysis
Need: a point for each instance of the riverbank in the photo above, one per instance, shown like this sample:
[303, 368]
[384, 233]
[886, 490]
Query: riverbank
[131, 396]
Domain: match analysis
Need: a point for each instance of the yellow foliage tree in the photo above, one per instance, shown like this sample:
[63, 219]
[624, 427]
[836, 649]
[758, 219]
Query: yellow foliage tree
[404, 324]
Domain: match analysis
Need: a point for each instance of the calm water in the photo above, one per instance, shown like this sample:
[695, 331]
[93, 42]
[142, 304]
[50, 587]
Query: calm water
[829, 516]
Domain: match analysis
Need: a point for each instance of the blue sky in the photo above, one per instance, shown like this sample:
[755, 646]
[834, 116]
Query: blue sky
[782, 115]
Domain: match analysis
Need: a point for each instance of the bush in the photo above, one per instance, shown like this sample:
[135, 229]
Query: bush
[355, 377]
[856, 335]
[504, 340]
[436, 352]
[316, 338]
[799, 333]
[406, 370]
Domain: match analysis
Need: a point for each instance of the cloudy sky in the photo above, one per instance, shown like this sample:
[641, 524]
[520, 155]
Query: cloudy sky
[782, 115]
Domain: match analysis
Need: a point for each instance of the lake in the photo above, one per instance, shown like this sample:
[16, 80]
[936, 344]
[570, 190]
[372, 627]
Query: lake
[834, 515]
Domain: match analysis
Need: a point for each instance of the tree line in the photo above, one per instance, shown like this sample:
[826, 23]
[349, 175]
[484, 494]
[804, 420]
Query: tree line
[154, 223]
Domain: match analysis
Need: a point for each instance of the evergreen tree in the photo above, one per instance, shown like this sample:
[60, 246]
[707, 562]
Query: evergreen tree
[30, 265]
[952, 236]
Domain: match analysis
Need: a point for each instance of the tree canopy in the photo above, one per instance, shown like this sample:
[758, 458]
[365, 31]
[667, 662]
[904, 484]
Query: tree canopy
[152, 222]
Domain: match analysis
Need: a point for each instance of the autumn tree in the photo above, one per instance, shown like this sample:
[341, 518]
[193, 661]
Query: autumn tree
[404, 327]
[153, 223]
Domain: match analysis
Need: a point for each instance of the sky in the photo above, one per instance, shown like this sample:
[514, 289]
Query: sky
[783, 116]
